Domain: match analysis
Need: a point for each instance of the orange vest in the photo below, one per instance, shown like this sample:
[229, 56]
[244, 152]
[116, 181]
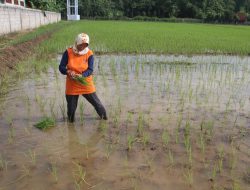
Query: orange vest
[78, 63]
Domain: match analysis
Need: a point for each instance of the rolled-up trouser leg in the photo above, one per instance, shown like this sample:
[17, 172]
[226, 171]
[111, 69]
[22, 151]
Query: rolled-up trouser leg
[71, 106]
[94, 100]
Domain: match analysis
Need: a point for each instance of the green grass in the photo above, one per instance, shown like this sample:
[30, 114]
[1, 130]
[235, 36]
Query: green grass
[153, 37]
[20, 37]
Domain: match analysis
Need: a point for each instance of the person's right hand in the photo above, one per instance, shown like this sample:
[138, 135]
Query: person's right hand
[71, 73]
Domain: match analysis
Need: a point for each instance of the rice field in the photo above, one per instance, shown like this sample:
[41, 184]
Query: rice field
[175, 121]
[155, 37]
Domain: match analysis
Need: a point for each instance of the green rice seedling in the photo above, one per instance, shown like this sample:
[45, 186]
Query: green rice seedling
[81, 80]
[190, 95]
[28, 104]
[77, 185]
[134, 184]
[208, 129]
[145, 138]
[41, 102]
[119, 105]
[137, 69]
[235, 121]
[214, 171]
[104, 80]
[221, 158]
[112, 67]
[108, 150]
[20, 69]
[3, 163]
[95, 78]
[63, 110]
[130, 141]
[25, 170]
[165, 137]
[228, 104]
[177, 130]
[31, 155]
[246, 175]
[233, 158]
[170, 157]
[81, 112]
[86, 151]
[54, 171]
[242, 103]
[11, 134]
[116, 120]
[80, 174]
[140, 126]
[9, 120]
[51, 106]
[126, 71]
[149, 162]
[189, 177]
[187, 143]
[45, 123]
[102, 126]
[190, 157]
[129, 118]
[4, 81]
[202, 143]
[176, 135]
[187, 129]
[236, 185]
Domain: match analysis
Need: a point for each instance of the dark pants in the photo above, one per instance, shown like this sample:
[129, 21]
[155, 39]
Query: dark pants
[92, 98]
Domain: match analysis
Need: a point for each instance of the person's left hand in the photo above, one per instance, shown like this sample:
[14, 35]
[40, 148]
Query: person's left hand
[77, 75]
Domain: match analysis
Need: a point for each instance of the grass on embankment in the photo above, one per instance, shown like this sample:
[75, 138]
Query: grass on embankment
[154, 37]
[27, 35]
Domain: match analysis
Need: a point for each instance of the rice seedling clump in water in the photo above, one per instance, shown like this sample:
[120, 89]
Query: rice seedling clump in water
[45, 123]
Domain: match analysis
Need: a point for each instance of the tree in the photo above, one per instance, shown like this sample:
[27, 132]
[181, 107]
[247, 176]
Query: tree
[215, 10]
[48, 5]
[229, 10]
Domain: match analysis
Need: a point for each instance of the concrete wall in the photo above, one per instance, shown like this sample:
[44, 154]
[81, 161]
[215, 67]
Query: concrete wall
[14, 18]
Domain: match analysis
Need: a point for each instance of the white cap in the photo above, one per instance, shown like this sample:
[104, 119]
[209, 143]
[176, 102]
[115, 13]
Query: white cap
[82, 38]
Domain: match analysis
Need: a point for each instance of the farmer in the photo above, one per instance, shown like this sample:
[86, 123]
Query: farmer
[78, 61]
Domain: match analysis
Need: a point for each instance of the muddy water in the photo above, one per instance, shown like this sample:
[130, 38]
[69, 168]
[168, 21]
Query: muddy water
[175, 122]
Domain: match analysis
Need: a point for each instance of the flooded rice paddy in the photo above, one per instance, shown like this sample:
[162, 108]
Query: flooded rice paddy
[175, 122]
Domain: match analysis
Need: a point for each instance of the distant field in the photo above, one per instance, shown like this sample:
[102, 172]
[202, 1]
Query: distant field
[156, 37]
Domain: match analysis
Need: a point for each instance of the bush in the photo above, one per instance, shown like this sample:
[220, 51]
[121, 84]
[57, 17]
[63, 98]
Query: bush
[146, 18]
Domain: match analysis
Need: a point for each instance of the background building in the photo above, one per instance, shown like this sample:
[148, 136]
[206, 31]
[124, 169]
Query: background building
[14, 2]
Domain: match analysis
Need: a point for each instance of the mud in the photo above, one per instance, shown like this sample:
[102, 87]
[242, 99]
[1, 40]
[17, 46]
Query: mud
[165, 106]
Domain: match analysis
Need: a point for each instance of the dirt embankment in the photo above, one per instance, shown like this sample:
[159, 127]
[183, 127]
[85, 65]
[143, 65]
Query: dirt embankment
[13, 54]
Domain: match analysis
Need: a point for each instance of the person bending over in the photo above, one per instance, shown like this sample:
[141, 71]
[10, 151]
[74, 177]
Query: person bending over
[77, 62]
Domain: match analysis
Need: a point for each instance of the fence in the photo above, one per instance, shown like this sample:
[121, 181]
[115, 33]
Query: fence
[14, 18]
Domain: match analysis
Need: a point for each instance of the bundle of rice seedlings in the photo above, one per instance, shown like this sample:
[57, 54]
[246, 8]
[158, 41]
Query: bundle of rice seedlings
[45, 123]
[81, 80]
